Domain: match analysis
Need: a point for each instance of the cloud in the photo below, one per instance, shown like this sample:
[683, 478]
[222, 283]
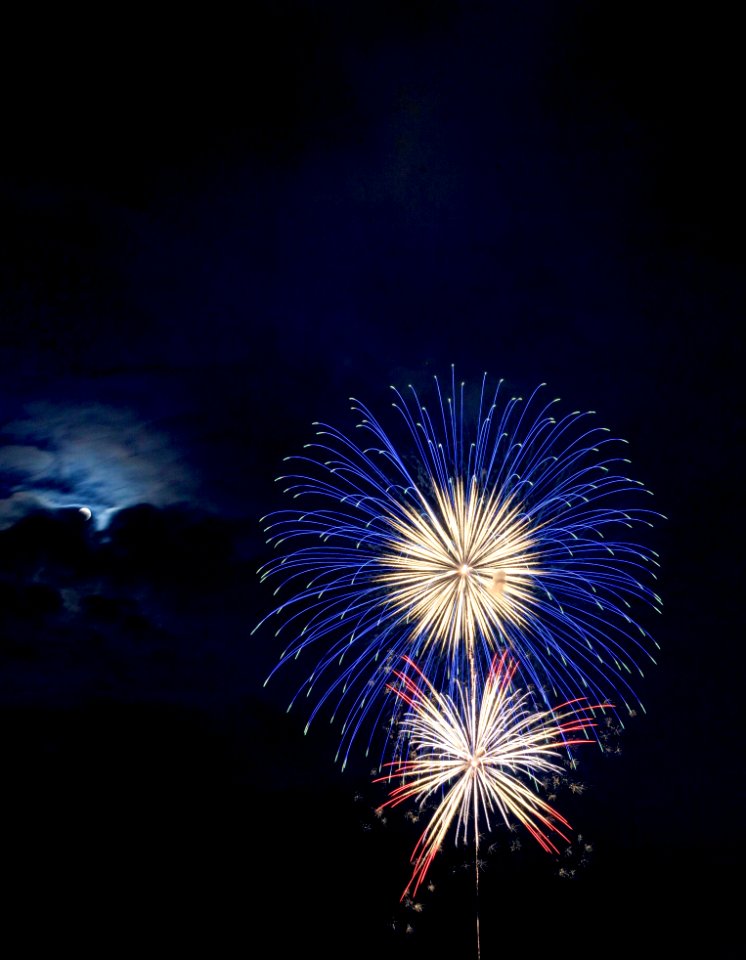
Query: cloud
[17, 506]
[26, 462]
[98, 455]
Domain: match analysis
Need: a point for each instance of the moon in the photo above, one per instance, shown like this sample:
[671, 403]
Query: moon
[86, 513]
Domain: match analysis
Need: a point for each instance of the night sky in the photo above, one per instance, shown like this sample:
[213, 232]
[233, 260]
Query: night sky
[214, 233]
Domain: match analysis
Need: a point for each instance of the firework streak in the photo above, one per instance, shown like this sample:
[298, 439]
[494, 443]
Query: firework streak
[476, 754]
[495, 526]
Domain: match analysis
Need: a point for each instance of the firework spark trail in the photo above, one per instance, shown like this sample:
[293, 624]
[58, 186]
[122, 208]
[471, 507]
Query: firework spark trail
[482, 754]
[498, 527]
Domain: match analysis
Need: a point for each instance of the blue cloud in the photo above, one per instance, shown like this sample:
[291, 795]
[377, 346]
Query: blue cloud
[97, 455]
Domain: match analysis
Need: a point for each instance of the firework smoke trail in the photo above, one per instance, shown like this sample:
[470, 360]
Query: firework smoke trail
[498, 527]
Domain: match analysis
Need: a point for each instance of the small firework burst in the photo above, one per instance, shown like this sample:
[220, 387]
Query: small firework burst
[482, 756]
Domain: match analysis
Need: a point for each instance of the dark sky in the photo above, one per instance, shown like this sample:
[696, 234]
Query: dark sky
[214, 232]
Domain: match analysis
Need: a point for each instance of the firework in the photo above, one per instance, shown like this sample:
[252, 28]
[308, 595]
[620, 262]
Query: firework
[494, 526]
[481, 755]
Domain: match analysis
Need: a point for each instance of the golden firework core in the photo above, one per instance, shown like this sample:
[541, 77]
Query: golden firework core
[452, 557]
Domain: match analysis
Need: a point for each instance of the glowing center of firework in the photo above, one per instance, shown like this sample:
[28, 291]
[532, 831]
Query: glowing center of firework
[461, 564]
[477, 760]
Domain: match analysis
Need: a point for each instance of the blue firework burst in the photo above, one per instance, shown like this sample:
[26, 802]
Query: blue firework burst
[497, 524]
